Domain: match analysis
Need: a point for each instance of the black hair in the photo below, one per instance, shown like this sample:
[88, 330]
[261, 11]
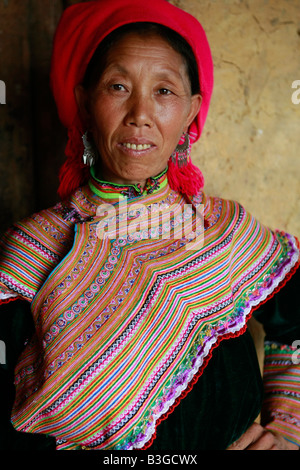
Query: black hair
[98, 62]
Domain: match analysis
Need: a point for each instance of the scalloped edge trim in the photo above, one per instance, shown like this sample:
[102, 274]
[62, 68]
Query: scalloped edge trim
[11, 298]
[287, 276]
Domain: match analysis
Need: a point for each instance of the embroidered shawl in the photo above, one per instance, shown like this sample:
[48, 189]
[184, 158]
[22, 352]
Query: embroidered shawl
[126, 322]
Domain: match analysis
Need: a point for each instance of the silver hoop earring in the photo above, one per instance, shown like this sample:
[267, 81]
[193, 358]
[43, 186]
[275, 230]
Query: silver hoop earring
[89, 154]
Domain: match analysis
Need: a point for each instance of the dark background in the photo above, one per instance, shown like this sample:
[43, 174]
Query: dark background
[32, 140]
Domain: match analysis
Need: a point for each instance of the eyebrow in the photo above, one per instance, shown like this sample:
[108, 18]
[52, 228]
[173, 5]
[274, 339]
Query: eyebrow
[119, 68]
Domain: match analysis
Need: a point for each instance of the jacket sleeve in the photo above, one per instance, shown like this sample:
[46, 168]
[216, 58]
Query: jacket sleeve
[280, 317]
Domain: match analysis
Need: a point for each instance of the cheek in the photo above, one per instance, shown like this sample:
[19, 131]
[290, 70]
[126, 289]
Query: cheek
[104, 116]
[103, 129]
[173, 120]
[172, 131]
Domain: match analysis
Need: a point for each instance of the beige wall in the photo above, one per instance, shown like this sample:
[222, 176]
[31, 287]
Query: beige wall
[250, 147]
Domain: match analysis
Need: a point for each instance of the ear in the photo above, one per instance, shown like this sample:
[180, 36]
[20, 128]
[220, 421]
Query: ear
[195, 106]
[81, 96]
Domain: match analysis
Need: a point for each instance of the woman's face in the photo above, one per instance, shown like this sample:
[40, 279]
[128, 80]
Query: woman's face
[139, 109]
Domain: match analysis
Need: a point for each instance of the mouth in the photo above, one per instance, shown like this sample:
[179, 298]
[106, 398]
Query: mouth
[139, 147]
[136, 146]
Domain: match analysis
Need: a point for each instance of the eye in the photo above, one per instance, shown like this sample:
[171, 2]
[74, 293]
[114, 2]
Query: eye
[117, 87]
[164, 91]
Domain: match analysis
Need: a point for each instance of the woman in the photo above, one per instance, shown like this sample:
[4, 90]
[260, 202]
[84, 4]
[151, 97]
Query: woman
[140, 321]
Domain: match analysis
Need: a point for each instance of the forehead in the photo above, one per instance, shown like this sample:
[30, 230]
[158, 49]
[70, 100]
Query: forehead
[151, 47]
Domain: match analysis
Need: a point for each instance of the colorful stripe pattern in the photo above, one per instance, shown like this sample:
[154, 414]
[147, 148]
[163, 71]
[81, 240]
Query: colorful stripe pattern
[124, 325]
[33, 248]
[281, 407]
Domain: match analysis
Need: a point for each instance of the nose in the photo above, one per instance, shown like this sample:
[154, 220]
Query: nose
[140, 111]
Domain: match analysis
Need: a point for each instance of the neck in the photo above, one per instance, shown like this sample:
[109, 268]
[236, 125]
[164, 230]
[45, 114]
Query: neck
[110, 190]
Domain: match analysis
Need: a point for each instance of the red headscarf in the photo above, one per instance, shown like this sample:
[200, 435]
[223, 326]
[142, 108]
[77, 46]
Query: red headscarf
[81, 29]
